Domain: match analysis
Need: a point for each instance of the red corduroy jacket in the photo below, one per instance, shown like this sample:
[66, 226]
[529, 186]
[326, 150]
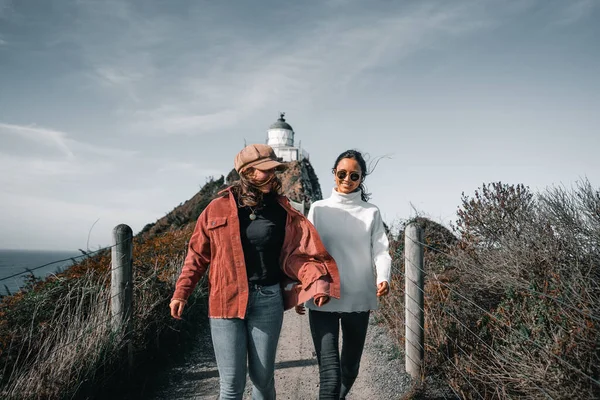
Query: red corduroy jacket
[308, 268]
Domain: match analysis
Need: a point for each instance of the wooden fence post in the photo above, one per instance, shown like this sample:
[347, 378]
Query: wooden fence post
[121, 305]
[413, 299]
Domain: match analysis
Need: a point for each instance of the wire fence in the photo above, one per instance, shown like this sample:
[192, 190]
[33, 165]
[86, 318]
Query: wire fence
[476, 340]
[21, 306]
[398, 316]
[75, 259]
[83, 257]
[528, 289]
[597, 382]
[88, 301]
[89, 254]
[92, 328]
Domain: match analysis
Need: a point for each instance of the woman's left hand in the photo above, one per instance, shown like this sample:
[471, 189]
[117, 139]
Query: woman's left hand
[383, 289]
[321, 300]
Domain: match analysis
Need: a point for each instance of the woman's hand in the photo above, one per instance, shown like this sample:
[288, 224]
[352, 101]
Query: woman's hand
[300, 309]
[321, 300]
[176, 307]
[383, 289]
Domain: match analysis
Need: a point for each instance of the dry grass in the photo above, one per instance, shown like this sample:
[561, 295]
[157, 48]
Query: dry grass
[56, 338]
[66, 347]
[513, 309]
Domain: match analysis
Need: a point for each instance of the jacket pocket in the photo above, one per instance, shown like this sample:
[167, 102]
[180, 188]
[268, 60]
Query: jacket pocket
[216, 222]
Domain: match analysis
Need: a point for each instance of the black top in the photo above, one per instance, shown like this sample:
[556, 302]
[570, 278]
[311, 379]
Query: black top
[262, 240]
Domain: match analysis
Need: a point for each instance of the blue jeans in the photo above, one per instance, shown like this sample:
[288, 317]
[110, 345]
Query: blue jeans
[249, 344]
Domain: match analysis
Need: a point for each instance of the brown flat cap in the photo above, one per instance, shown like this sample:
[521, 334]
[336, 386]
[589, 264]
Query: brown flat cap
[259, 156]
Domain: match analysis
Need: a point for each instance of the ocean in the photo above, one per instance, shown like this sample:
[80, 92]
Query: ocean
[17, 261]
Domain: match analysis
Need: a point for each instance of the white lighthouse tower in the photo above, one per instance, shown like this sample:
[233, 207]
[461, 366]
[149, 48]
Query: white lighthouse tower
[280, 137]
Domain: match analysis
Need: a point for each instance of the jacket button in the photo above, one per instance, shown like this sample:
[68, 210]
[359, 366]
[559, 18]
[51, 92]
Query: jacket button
[213, 223]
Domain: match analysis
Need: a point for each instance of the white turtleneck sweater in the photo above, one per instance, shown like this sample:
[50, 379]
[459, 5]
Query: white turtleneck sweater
[353, 233]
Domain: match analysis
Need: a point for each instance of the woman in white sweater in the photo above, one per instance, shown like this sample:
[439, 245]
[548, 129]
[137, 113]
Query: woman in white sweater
[353, 233]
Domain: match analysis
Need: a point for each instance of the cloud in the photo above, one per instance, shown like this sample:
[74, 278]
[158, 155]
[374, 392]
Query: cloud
[169, 167]
[115, 43]
[64, 221]
[117, 77]
[174, 119]
[576, 10]
[87, 172]
[333, 52]
[62, 141]
[344, 48]
[220, 75]
[104, 152]
[37, 134]
[28, 163]
[190, 68]
[120, 79]
[29, 171]
[5, 8]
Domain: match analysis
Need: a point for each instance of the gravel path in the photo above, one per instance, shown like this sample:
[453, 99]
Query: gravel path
[382, 375]
[381, 368]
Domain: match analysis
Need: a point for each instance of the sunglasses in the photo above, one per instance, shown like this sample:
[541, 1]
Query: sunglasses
[251, 170]
[341, 175]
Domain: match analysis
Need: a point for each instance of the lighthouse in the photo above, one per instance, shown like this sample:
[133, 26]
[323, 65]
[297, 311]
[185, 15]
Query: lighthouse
[280, 136]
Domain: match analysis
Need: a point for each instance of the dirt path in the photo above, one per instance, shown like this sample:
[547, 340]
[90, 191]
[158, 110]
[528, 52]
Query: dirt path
[296, 370]
[382, 375]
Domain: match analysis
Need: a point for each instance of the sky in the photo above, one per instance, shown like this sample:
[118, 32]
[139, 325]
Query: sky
[117, 111]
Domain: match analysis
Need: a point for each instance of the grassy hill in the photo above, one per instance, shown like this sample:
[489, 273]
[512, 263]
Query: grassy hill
[55, 335]
[512, 300]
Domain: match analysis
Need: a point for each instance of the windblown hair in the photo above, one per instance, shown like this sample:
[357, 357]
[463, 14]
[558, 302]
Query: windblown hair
[356, 155]
[249, 195]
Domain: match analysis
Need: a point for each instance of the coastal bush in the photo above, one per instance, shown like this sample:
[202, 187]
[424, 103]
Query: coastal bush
[56, 339]
[514, 309]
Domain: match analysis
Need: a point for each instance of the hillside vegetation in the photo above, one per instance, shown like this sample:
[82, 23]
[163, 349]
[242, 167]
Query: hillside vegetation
[55, 335]
[512, 298]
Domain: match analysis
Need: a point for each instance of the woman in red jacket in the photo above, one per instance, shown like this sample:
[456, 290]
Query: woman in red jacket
[255, 243]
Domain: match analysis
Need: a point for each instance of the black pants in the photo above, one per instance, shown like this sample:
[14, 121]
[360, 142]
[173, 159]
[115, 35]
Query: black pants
[338, 375]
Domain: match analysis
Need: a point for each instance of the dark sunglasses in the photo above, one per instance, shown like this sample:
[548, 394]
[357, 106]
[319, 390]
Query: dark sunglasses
[250, 170]
[341, 175]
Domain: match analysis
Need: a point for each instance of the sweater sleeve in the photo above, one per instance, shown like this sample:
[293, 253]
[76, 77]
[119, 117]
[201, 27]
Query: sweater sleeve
[311, 215]
[380, 249]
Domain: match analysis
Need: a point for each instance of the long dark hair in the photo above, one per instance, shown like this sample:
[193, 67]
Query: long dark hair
[356, 155]
[249, 195]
